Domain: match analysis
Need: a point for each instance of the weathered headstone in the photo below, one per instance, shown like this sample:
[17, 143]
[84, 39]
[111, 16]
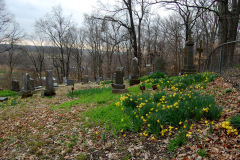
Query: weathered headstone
[3, 99]
[15, 86]
[98, 80]
[31, 84]
[64, 80]
[85, 79]
[118, 87]
[26, 92]
[148, 69]
[135, 76]
[49, 91]
[190, 67]
[70, 82]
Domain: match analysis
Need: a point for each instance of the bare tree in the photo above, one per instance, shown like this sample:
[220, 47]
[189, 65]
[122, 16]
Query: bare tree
[8, 28]
[37, 57]
[130, 15]
[13, 52]
[56, 28]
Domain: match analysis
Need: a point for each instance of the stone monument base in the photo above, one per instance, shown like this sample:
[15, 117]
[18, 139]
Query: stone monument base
[119, 91]
[134, 81]
[49, 93]
[26, 94]
[118, 86]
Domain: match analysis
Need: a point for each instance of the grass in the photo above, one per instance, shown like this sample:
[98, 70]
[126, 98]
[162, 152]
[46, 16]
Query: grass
[179, 140]
[110, 116]
[7, 93]
[100, 96]
[155, 112]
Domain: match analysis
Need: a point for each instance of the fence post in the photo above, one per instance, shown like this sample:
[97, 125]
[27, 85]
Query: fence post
[220, 64]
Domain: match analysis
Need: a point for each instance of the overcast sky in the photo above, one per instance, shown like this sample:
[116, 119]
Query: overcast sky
[27, 11]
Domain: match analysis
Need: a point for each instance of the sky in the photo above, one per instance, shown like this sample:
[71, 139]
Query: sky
[28, 11]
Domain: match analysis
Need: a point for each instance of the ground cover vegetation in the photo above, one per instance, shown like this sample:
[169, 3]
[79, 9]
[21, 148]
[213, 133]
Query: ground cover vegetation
[191, 116]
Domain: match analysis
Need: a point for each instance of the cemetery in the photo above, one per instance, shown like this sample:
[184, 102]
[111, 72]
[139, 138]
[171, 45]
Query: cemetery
[128, 83]
[104, 117]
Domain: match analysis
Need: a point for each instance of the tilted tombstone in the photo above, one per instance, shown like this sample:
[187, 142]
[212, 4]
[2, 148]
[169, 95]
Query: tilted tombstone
[118, 86]
[70, 82]
[64, 80]
[135, 76]
[98, 80]
[85, 79]
[148, 69]
[15, 86]
[49, 91]
[26, 92]
[159, 64]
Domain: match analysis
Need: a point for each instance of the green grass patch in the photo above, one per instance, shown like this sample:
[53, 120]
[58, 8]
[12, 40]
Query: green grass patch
[100, 96]
[7, 93]
[111, 116]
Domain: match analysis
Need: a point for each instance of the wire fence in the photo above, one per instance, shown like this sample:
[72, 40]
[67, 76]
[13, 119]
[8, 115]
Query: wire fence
[225, 56]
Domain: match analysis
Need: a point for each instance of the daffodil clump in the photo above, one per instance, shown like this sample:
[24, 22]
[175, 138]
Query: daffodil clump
[162, 113]
[230, 130]
[11, 102]
[180, 83]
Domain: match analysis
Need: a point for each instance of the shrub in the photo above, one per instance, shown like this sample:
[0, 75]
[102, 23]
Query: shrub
[153, 110]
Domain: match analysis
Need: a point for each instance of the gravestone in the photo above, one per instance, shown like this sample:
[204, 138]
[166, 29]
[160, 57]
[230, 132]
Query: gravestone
[26, 92]
[159, 64]
[31, 84]
[190, 67]
[135, 76]
[49, 91]
[15, 86]
[70, 82]
[98, 80]
[3, 99]
[118, 87]
[148, 69]
[85, 79]
[64, 80]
